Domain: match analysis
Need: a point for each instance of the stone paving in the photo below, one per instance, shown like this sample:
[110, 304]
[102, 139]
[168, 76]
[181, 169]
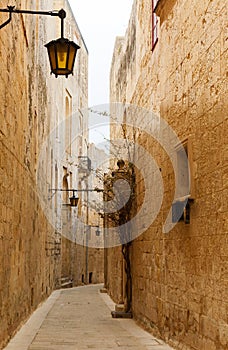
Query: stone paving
[78, 319]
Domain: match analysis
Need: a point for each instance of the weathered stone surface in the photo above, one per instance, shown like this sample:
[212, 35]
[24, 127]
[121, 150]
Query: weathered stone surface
[179, 279]
[32, 104]
[85, 323]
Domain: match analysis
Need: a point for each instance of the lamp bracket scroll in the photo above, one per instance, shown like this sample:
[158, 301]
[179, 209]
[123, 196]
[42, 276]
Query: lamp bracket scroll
[10, 10]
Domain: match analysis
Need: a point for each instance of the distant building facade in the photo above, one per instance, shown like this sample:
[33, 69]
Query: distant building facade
[96, 242]
[172, 62]
[69, 134]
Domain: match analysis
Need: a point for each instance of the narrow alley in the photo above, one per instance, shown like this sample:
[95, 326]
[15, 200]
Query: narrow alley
[113, 175]
[80, 318]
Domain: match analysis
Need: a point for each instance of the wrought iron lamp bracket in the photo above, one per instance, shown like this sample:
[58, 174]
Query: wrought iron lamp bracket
[53, 191]
[11, 9]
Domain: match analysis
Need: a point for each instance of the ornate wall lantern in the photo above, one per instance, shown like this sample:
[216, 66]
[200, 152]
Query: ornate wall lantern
[61, 52]
[98, 232]
[74, 200]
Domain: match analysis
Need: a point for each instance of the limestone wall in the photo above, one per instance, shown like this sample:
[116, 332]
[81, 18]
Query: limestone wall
[31, 103]
[180, 278]
[26, 272]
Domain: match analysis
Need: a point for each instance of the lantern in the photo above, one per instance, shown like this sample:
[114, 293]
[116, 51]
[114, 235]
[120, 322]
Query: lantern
[62, 54]
[74, 201]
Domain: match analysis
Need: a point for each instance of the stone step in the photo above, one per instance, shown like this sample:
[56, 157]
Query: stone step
[66, 282]
[121, 314]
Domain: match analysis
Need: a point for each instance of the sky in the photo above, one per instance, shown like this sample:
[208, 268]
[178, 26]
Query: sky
[100, 22]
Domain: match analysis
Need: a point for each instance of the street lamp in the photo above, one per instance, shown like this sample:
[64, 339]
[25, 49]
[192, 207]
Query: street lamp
[98, 232]
[61, 52]
[74, 200]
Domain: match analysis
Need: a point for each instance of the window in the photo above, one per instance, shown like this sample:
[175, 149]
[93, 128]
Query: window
[183, 179]
[68, 123]
[90, 277]
[65, 186]
[185, 166]
[154, 24]
[181, 205]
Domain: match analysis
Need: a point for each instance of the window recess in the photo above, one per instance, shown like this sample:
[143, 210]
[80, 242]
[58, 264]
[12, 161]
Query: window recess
[154, 24]
[182, 205]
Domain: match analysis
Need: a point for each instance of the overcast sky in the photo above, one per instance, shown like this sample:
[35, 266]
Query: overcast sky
[100, 22]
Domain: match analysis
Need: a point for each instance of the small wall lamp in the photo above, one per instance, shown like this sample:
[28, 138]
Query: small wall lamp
[74, 200]
[61, 52]
[98, 232]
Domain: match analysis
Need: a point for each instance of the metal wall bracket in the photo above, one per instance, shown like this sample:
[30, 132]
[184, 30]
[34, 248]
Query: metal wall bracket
[10, 10]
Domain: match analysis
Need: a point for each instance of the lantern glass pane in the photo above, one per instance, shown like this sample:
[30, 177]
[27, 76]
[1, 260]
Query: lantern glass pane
[72, 53]
[61, 55]
[51, 51]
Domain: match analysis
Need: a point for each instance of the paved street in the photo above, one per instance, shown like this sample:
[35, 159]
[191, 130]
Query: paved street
[77, 319]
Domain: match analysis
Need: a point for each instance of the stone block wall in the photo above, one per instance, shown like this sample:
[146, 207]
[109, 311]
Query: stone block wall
[26, 268]
[32, 104]
[180, 278]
